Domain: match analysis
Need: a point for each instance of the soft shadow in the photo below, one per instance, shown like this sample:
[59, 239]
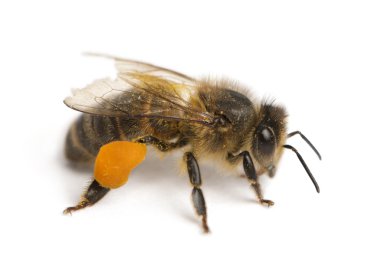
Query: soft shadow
[160, 179]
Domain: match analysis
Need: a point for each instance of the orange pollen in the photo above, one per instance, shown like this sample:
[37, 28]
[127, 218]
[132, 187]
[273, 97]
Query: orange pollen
[116, 160]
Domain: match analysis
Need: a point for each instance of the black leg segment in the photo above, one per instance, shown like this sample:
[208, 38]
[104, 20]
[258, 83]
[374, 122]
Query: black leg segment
[197, 194]
[200, 206]
[250, 172]
[93, 194]
[193, 170]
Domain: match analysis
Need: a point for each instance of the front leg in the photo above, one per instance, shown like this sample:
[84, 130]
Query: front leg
[250, 172]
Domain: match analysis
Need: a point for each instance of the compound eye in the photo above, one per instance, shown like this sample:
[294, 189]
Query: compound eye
[266, 141]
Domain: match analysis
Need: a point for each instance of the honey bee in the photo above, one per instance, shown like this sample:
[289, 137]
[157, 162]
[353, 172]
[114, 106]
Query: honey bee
[169, 110]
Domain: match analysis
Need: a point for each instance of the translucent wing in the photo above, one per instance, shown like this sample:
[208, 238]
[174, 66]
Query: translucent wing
[142, 90]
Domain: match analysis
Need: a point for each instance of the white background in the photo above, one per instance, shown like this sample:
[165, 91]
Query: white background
[319, 58]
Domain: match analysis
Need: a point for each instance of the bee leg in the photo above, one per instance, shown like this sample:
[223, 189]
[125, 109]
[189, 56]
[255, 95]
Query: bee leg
[250, 172]
[93, 194]
[162, 145]
[197, 194]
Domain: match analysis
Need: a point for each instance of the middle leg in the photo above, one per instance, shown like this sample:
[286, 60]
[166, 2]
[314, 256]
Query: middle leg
[197, 194]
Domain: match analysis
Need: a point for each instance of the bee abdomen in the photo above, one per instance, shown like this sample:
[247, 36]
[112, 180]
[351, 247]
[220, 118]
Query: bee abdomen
[89, 133]
[75, 149]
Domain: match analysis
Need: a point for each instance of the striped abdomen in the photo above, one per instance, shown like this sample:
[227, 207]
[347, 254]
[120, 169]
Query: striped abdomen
[89, 133]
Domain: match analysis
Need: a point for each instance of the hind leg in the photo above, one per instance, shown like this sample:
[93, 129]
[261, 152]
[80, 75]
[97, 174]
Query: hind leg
[162, 145]
[93, 194]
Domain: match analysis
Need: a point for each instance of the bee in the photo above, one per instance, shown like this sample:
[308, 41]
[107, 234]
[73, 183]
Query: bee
[169, 110]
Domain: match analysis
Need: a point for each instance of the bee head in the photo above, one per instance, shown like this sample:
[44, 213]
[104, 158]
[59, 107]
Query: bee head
[269, 140]
[269, 136]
